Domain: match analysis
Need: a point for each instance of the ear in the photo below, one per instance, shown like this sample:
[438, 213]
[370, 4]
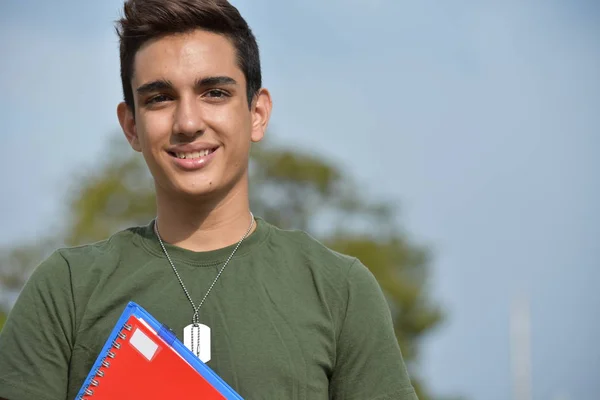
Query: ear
[261, 112]
[127, 121]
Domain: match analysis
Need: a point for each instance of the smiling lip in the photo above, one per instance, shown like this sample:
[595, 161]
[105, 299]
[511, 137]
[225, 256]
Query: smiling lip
[191, 157]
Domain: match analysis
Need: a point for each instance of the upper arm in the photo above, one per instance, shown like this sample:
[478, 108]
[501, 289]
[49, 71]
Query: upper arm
[369, 363]
[36, 341]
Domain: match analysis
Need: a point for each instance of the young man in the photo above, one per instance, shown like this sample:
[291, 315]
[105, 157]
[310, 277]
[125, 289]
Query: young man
[289, 318]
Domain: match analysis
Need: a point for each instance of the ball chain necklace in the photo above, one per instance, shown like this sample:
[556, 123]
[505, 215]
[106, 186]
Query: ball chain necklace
[196, 336]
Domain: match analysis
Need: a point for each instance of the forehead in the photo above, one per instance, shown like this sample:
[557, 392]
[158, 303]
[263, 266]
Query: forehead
[186, 57]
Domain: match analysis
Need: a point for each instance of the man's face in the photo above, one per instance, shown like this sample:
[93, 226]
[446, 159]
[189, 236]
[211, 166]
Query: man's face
[192, 120]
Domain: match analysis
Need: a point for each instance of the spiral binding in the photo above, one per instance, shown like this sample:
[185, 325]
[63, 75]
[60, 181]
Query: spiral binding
[105, 363]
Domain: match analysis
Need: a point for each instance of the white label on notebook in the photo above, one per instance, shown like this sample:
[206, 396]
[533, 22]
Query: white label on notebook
[143, 344]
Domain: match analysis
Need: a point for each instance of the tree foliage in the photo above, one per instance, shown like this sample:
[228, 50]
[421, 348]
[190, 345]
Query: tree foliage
[289, 188]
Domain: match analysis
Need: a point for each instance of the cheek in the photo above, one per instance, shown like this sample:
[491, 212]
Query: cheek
[234, 123]
[153, 131]
[222, 120]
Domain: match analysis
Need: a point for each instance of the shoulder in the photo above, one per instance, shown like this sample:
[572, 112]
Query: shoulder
[338, 269]
[308, 250]
[116, 242]
[70, 263]
[104, 252]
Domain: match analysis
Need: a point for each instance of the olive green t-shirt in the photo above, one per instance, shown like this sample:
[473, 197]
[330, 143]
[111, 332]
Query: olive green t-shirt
[289, 318]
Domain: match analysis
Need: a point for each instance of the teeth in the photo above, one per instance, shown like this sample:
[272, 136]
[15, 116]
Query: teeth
[196, 154]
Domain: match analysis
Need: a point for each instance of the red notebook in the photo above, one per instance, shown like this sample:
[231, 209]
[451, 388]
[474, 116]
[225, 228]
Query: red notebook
[142, 359]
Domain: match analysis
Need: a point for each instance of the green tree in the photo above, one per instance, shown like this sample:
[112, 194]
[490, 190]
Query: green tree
[292, 189]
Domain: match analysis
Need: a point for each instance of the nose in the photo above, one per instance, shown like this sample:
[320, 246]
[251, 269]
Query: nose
[188, 119]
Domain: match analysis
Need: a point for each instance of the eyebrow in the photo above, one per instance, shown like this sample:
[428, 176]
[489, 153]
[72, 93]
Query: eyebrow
[155, 86]
[216, 81]
[164, 85]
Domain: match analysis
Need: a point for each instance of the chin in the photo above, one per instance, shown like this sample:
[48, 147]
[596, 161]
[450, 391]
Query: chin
[196, 191]
[198, 184]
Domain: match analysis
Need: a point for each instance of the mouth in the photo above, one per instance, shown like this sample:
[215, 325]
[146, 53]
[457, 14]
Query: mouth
[190, 155]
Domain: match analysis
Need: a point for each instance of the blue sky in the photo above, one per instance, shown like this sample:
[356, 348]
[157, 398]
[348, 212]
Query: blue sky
[482, 119]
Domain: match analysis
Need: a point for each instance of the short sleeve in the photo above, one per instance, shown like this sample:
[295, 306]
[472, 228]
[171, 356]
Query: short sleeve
[369, 364]
[36, 340]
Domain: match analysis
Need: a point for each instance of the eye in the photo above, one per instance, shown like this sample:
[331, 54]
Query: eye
[216, 94]
[158, 99]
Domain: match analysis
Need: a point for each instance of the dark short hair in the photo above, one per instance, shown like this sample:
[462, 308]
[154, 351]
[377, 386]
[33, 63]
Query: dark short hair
[144, 20]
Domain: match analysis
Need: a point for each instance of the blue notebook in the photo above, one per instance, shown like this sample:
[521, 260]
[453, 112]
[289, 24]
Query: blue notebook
[143, 359]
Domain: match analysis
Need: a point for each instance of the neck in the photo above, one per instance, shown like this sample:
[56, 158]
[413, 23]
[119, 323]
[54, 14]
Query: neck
[203, 224]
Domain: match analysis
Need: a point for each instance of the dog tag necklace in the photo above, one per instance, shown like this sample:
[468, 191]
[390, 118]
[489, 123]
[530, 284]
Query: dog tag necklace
[196, 336]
